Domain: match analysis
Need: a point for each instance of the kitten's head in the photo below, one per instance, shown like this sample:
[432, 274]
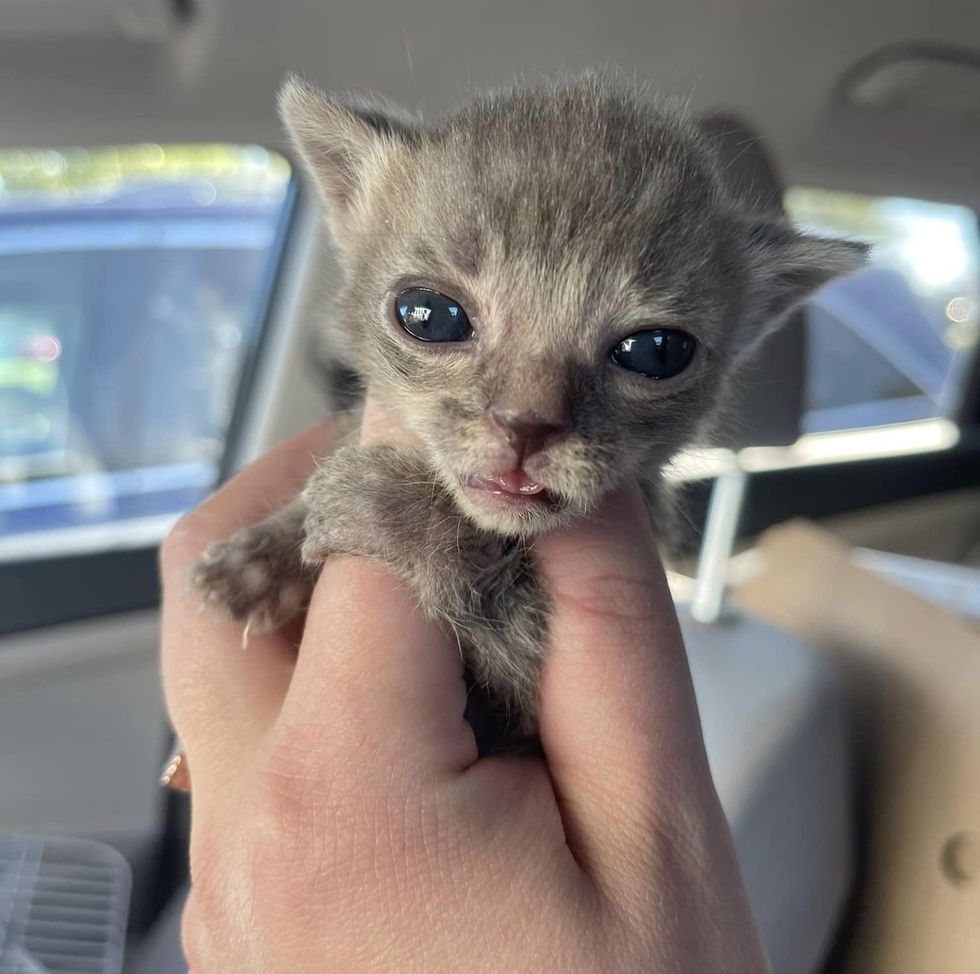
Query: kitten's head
[551, 289]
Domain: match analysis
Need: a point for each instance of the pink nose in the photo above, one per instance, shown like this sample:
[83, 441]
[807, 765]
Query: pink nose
[527, 433]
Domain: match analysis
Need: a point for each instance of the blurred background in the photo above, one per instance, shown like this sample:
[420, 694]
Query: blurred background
[160, 273]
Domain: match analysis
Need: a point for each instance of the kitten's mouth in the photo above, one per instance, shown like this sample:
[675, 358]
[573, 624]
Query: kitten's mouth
[514, 489]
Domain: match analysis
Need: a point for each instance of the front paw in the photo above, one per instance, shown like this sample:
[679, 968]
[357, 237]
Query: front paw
[376, 501]
[257, 576]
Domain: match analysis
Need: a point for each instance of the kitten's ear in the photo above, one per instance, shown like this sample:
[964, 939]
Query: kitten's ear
[341, 142]
[786, 266]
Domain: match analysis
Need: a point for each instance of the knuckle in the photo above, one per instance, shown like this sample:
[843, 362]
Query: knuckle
[618, 599]
[322, 828]
[292, 846]
[280, 871]
[292, 808]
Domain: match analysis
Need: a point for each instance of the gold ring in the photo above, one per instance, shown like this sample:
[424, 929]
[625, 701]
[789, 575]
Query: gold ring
[176, 774]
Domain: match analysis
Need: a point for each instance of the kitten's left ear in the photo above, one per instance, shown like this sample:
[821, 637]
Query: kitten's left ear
[786, 266]
[342, 142]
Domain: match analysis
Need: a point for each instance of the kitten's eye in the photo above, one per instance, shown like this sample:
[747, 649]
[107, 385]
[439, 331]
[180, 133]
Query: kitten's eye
[431, 316]
[659, 353]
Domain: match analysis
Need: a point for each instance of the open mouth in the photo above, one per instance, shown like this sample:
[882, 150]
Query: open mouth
[513, 490]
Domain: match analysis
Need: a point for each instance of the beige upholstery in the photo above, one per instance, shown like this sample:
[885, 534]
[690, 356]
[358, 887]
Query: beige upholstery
[914, 678]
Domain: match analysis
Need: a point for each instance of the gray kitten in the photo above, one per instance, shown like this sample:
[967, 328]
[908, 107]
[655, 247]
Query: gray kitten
[551, 291]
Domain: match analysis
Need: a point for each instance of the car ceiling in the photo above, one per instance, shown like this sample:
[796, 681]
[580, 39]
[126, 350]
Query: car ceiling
[777, 63]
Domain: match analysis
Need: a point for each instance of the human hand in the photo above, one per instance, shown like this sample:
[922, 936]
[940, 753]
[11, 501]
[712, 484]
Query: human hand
[342, 821]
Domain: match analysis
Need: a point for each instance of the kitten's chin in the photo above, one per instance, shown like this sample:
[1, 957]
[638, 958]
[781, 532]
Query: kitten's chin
[512, 514]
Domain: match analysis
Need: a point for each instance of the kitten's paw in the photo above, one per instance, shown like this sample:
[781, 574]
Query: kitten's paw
[367, 501]
[256, 576]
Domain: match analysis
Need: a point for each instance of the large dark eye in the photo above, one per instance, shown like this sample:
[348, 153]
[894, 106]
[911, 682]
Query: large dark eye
[659, 353]
[432, 316]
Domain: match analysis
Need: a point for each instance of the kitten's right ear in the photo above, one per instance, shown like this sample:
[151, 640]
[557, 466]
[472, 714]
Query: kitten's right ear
[341, 142]
[787, 265]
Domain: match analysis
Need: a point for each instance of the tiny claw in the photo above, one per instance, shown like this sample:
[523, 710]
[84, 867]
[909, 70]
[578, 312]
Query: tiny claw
[245, 633]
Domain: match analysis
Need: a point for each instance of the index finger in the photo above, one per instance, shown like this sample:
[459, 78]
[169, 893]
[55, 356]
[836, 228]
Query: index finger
[393, 678]
[216, 694]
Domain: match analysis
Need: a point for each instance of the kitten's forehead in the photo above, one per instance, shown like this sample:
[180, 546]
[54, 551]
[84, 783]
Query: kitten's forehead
[575, 159]
[569, 195]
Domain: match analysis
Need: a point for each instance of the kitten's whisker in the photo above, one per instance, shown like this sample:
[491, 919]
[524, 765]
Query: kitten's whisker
[408, 53]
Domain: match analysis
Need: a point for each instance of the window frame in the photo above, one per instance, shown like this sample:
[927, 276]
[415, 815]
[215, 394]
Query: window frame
[90, 571]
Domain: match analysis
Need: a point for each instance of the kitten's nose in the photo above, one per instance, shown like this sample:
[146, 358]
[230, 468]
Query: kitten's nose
[528, 432]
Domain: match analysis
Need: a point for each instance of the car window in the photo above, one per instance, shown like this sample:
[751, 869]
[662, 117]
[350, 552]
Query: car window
[133, 282]
[891, 343]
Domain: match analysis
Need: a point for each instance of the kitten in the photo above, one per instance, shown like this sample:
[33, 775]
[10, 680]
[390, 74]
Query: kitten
[551, 291]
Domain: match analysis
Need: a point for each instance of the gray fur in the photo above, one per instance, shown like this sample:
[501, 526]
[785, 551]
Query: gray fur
[563, 218]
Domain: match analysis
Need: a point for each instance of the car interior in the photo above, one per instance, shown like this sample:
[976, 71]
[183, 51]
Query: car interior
[162, 269]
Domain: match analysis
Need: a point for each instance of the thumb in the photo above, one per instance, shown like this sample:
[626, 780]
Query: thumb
[619, 722]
